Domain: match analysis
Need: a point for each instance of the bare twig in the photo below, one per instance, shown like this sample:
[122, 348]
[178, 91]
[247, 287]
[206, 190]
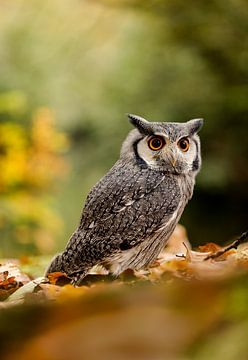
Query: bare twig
[233, 245]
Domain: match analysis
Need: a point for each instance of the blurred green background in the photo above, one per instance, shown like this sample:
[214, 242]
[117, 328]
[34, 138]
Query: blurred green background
[69, 71]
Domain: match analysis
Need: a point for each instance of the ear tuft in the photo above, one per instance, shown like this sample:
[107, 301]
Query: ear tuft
[194, 125]
[141, 124]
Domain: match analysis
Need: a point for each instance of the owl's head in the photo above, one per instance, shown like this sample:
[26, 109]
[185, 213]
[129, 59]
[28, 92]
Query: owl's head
[164, 146]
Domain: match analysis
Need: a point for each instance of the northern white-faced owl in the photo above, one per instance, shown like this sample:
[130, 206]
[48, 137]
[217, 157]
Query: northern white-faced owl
[132, 211]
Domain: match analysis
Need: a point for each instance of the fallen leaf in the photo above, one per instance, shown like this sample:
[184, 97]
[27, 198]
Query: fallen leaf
[178, 243]
[19, 295]
[11, 279]
[209, 247]
[58, 278]
[14, 271]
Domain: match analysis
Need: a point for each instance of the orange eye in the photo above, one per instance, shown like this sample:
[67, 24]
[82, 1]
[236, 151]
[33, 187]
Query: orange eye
[156, 143]
[183, 144]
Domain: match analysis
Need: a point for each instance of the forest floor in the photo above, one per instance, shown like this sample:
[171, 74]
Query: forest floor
[190, 304]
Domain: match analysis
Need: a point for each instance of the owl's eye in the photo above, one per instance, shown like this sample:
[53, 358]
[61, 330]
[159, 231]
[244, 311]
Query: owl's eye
[156, 143]
[183, 144]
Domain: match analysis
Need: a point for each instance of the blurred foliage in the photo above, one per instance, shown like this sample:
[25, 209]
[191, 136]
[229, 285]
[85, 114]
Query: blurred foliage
[181, 308]
[30, 164]
[91, 62]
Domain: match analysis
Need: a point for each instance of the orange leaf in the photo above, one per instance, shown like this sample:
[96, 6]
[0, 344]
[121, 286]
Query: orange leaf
[58, 278]
[209, 247]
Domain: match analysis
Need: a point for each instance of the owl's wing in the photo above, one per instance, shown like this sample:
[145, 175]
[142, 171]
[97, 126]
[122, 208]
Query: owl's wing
[123, 209]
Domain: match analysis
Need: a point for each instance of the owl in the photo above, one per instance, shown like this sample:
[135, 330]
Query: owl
[131, 212]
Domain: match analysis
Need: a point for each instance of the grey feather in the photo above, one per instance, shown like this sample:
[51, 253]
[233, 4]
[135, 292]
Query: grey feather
[141, 124]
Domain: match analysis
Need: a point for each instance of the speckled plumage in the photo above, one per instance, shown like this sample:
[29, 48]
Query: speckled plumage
[131, 212]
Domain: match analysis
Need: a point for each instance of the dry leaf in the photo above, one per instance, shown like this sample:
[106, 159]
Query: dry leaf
[19, 295]
[209, 247]
[11, 279]
[178, 243]
[58, 278]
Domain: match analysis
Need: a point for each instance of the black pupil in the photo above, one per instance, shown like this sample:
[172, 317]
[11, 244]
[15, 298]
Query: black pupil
[183, 144]
[156, 143]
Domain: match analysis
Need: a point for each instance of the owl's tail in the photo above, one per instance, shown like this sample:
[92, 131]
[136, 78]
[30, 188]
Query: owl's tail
[56, 265]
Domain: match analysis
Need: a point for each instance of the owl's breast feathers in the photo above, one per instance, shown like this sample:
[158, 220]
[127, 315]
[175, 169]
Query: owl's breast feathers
[126, 207]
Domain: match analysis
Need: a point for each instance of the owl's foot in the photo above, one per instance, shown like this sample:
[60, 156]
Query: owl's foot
[77, 278]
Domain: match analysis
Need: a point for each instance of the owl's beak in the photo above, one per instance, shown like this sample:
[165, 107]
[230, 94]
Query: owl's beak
[173, 161]
[172, 157]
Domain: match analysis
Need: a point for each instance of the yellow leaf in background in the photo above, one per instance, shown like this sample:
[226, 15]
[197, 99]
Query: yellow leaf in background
[30, 162]
[13, 155]
[44, 135]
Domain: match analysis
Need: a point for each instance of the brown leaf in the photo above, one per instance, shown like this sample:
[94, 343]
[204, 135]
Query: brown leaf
[58, 278]
[50, 291]
[209, 247]
[8, 285]
[11, 278]
[11, 269]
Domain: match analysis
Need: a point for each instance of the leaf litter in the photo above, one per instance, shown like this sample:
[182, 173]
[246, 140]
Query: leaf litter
[177, 260]
[176, 309]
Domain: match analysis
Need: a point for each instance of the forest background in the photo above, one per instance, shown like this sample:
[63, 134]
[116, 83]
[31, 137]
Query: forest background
[69, 71]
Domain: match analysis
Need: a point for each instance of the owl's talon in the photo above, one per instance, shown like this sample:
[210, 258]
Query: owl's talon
[77, 279]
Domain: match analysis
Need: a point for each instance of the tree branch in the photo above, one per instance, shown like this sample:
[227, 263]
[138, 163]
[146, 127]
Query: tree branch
[233, 245]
